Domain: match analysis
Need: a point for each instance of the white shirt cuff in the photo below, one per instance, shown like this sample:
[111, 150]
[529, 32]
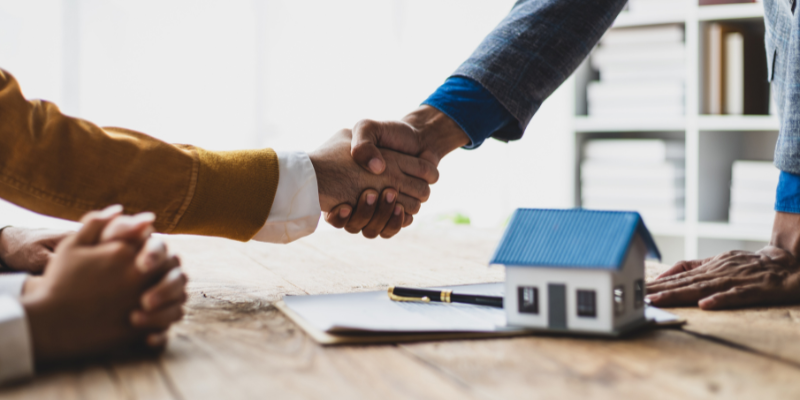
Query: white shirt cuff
[295, 210]
[16, 350]
[11, 283]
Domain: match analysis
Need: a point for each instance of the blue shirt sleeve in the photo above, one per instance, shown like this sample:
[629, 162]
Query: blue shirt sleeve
[788, 197]
[472, 107]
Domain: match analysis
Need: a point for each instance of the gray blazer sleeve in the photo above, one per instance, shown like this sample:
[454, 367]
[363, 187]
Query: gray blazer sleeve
[782, 42]
[534, 49]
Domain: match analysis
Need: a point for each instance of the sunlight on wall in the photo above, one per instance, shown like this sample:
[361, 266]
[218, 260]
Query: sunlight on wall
[283, 74]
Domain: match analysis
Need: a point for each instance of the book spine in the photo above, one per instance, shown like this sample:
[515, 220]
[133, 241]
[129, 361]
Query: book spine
[714, 72]
[734, 74]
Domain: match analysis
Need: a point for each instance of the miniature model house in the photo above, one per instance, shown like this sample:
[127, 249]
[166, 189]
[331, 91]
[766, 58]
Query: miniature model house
[575, 270]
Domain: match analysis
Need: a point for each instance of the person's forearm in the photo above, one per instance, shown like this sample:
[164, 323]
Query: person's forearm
[786, 232]
[62, 166]
[3, 249]
[534, 49]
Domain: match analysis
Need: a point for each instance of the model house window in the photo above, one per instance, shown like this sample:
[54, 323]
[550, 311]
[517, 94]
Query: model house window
[528, 299]
[586, 303]
[619, 300]
[638, 293]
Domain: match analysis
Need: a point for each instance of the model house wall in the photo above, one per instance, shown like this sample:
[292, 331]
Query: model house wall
[626, 278]
[573, 280]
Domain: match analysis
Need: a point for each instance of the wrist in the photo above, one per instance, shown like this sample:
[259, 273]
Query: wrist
[326, 201]
[4, 247]
[786, 232]
[39, 313]
[32, 285]
[439, 135]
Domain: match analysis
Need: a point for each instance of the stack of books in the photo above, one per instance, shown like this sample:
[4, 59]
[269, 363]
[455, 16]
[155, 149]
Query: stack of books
[644, 175]
[736, 80]
[753, 186]
[642, 73]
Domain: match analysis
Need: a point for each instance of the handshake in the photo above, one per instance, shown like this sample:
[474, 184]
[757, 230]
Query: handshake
[374, 178]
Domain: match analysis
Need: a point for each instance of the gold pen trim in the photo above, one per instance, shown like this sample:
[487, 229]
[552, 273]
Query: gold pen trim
[395, 297]
[445, 296]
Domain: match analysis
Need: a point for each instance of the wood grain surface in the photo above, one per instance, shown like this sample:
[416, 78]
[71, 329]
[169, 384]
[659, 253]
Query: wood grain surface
[234, 344]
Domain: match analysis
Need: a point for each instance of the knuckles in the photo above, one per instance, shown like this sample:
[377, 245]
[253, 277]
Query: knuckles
[183, 280]
[428, 171]
[412, 206]
[425, 193]
[120, 251]
[334, 220]
[774, 278]
[367, 126]
[351, 229]
[369, 233]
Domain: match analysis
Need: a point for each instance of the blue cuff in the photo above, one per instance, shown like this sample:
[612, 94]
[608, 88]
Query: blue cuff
[472, 107]
[788, 197]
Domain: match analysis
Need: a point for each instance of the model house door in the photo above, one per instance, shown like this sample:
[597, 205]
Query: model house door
[556, 306]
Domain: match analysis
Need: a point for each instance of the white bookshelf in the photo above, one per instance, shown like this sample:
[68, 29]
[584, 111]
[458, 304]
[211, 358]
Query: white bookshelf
[712, 141]
[729, 11]
[737, 123]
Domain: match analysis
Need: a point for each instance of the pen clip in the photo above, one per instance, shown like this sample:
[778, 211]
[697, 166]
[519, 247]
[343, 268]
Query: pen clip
[395, 297]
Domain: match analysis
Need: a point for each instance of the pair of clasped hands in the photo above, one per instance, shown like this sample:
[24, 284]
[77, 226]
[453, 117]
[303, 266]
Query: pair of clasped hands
[387, 166]
[110, 287]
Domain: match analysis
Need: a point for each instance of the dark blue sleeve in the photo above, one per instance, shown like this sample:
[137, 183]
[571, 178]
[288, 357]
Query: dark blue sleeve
[788, 197]
[472, 107]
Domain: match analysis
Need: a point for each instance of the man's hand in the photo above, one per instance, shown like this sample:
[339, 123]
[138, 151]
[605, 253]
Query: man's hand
[374, 215]
[162, 303]
[426, 133]
[341, 180]
[28, 250]
[730, 280]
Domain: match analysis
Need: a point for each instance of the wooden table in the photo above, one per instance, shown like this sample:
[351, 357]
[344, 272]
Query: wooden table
[233, 344]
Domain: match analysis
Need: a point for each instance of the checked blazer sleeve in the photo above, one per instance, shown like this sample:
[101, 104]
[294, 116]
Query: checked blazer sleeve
[533, 50]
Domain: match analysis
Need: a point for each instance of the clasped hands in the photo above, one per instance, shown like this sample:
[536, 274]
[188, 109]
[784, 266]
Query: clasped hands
[373, 178]
[110, 286]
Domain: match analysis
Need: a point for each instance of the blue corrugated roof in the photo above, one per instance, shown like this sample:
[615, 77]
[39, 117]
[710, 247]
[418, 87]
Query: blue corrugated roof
[575, 238]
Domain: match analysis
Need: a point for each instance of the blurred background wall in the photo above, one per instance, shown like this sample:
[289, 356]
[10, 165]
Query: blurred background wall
[283, 74]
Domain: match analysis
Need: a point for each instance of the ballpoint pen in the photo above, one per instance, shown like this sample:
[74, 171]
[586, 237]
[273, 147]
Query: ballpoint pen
[444, 296]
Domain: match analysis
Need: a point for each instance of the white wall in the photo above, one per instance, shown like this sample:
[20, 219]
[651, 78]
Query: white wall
[280, 73]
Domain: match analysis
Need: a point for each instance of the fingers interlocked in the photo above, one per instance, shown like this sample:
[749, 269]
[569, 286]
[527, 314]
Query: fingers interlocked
[375, 215]
[162, 302]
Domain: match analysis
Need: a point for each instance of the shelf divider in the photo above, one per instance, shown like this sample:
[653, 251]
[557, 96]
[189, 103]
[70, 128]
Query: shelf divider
[730, 11]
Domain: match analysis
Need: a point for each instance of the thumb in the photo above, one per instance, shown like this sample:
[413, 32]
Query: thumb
[364, 146]
[129, 228]
[369, 135]
[94, 223]
[339, 216]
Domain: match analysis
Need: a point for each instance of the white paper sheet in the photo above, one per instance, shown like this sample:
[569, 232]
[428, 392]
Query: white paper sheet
[374, 312]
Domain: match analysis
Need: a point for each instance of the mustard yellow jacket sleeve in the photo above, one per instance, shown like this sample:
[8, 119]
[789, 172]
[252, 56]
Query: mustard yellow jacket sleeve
[61, 166]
